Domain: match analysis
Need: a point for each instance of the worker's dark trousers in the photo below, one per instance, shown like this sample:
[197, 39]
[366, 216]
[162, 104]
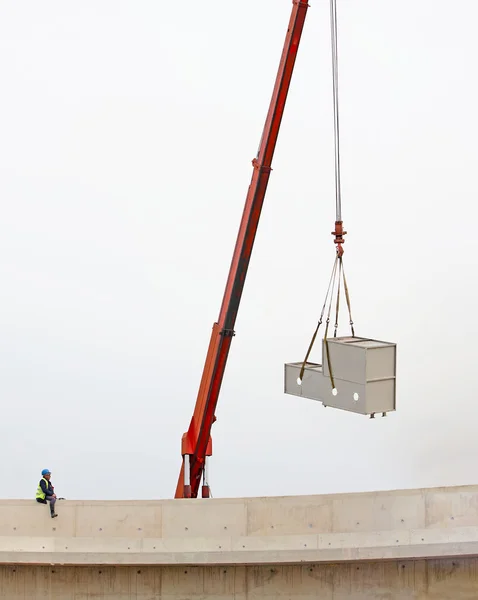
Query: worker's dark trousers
[51, 501]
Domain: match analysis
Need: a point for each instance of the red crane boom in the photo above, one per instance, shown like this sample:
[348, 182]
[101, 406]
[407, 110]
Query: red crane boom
[196, 443]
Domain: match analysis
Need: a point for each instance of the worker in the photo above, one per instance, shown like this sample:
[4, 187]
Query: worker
[46, 492]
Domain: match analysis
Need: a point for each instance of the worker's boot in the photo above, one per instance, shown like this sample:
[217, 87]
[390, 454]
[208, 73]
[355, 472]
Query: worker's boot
[53, 515]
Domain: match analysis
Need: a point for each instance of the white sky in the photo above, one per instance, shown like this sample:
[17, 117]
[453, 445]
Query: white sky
[127, 131]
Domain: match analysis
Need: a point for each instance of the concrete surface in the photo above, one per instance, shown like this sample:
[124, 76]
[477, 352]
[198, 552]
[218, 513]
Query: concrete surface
[403, 524]
[394, 545]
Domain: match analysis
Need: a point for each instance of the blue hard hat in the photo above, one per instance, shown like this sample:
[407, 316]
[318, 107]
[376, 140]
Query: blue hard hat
[46, 472]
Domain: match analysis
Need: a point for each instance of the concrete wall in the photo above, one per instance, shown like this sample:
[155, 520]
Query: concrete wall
[430, 523]
[417, 580]
[412, 544]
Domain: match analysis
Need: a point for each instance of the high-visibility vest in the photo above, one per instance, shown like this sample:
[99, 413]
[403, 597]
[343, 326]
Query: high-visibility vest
[40, 493]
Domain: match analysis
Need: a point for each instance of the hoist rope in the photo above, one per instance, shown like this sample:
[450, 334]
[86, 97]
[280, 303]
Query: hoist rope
[335, 87]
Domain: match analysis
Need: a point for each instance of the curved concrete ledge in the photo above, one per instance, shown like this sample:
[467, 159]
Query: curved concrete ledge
[333, 548]
[381, 526]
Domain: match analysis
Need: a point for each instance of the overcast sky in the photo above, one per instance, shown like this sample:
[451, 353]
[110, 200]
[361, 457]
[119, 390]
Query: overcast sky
[127, 133]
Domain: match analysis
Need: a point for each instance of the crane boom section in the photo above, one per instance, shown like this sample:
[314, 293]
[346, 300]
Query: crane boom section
[196, 443]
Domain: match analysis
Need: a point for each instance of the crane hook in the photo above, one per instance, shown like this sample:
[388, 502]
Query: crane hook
[339, 239]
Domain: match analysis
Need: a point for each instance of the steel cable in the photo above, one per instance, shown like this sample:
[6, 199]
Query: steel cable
[335, 87]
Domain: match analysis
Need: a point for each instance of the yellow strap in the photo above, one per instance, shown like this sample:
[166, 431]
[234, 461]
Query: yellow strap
[328, 356]
[332, 279]
[337, 307]
[347, 296]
